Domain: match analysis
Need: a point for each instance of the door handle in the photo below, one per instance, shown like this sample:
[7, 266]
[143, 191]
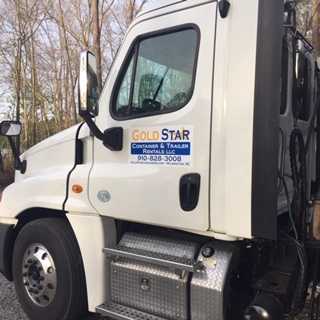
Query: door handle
[189, 191]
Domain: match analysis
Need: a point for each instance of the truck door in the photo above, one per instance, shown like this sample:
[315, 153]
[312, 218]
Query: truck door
[160, 92]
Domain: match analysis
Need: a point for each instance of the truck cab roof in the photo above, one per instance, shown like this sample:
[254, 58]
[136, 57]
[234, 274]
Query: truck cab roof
[167, 6]
[158, 5]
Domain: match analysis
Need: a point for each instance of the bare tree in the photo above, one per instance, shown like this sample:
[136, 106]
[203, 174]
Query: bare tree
[40, 42]
[97, 38]
[315, 24]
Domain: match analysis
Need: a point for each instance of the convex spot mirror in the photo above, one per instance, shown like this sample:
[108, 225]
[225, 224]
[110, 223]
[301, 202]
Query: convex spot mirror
[88, 85]
[10, 128]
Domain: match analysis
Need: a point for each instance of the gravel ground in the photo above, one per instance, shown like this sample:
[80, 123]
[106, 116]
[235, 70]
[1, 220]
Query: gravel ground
[10, 308]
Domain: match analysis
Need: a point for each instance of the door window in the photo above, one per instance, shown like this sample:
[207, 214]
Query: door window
[159, 76]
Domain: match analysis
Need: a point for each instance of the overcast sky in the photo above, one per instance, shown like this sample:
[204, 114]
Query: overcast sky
[3, 107]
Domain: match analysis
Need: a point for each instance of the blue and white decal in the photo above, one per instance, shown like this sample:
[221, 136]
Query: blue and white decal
[161, 146]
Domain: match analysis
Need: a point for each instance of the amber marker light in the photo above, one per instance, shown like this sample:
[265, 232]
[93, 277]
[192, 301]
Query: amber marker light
[76, 188]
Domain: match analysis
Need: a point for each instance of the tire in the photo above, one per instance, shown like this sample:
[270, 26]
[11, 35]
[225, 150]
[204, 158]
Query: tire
[48, 271]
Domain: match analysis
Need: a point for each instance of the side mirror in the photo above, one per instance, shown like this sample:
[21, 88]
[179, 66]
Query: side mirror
[10, 128]
[88, 102]
[88, 85]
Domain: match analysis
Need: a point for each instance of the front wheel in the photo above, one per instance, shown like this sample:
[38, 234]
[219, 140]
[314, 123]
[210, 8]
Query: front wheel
[48, 271]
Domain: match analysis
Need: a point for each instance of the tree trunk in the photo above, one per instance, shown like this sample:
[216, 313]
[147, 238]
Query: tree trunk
[34, 92]
[69, 74]
[18, 67]
[316, 26]
[97, 39]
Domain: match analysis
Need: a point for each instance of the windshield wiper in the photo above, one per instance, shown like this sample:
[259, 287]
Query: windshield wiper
[160, 85]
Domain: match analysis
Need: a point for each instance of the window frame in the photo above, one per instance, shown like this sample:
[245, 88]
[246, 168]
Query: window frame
[284, 77]
[305, 113]
[133, 52]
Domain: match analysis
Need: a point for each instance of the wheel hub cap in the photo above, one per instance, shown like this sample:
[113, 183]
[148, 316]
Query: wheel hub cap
[39, 275]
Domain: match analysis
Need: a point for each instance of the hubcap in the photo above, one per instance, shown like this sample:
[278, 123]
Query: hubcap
[39, 275]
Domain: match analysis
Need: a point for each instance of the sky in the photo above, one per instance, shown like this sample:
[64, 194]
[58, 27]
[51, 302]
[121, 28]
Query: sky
[4, 105]
[3, 108]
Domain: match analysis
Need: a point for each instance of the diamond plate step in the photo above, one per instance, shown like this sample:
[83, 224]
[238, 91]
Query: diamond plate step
[119, 312]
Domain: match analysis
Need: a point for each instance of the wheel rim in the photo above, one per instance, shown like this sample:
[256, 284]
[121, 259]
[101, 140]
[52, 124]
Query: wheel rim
[39, 275]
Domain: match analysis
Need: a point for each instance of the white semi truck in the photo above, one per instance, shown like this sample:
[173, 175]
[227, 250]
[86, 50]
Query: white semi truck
[191, 189]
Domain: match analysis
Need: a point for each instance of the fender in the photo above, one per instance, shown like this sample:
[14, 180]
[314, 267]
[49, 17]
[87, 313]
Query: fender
[45, 183]
[52, 164]
[96, 269]
[47, 190]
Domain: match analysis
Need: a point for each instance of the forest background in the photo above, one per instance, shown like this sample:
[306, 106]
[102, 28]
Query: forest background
[40, 43]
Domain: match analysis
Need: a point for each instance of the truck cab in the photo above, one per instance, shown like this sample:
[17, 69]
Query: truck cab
[174, 61]
[166, 202]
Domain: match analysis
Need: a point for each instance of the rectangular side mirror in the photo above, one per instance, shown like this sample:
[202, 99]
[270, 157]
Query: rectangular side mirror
[88, 85]
[10, 128]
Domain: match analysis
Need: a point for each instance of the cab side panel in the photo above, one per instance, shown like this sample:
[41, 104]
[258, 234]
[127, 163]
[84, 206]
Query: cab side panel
[232, 120]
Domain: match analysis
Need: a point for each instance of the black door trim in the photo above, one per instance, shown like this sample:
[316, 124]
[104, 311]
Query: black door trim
[266, 119]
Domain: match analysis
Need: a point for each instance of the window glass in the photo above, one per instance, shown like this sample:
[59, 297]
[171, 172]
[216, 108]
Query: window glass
[125, 89]
[301, 88]
[284, 78]
[305, 91]
[160, 75]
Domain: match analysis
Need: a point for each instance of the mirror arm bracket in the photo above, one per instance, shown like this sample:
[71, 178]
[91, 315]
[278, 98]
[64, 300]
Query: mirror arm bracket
[93, 127]
[112, 138]
[19, 165]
